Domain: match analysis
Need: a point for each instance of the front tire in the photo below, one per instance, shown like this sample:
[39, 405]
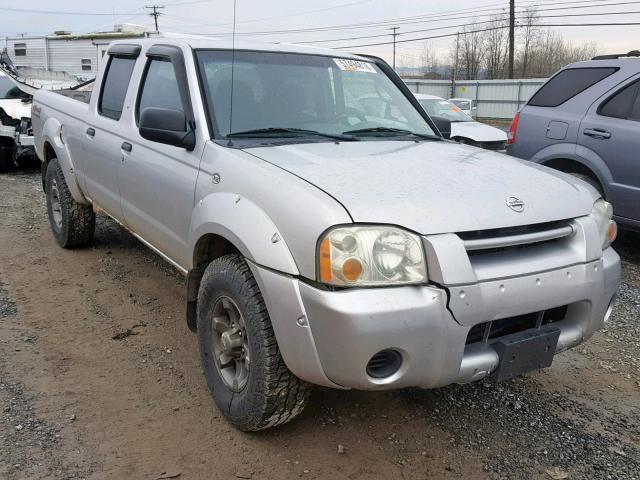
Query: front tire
[245, 372]
[72, 224]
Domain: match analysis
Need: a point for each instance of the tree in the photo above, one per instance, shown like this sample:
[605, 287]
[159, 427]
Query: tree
[496, 45]
[428, 59]
[471, 51]
[530, 35]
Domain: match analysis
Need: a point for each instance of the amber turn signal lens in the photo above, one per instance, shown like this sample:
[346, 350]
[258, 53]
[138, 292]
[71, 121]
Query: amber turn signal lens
[325, 261]
[351, 269]
[612, 231]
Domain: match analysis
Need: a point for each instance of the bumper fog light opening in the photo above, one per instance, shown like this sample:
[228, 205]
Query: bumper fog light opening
[384, 364]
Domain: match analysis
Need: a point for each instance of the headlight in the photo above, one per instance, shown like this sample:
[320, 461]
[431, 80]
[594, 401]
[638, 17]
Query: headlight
[371, 255]
[602, 213]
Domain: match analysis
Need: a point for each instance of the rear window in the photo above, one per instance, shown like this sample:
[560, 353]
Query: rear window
[114, 89]
[567, 84]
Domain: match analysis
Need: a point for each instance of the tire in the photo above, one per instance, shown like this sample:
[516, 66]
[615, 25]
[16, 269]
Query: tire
[590, 180]
[6, 158]
[72, 224]
[262, 393]
[28, 161]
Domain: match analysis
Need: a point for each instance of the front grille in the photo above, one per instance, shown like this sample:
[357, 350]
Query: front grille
[484, 332]
[499, 239]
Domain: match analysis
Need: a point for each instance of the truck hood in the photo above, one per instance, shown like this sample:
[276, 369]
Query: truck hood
[432, 187]
[478, 132]
[15, 108]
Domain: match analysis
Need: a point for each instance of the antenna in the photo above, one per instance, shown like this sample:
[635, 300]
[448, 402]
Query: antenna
[233, 61]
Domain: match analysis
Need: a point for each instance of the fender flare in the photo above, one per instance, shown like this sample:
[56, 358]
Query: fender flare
[579, 154]
[246, 226]
[51, 134]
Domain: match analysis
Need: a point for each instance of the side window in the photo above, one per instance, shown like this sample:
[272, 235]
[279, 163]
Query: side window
[160, 87]
[567, 84]
[115, 85]
[620, 104]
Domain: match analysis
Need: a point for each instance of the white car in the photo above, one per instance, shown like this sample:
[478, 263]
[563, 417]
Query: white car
[15, 125]
[464, 129]
[467, 105]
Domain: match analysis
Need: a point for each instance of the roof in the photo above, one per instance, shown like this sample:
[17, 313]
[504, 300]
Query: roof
[199, 42]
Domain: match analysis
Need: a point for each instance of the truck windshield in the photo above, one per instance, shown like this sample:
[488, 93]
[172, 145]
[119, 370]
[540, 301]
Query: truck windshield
[299, 95]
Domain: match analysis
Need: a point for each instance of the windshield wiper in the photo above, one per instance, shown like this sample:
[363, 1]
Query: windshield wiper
[282, 131]
[385, 131]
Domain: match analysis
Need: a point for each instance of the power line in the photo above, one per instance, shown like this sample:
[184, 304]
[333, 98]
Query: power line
[450, 15]
[493, 20]
[155, 13]
[495, 28]
[395, 34]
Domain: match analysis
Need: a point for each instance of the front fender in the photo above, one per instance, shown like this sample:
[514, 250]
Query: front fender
[244, 224]
[51, 134]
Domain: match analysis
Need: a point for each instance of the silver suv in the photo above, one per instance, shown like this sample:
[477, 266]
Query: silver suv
[586, 121]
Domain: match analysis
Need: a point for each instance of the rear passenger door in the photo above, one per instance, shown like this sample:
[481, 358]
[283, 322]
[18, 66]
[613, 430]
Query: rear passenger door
[107, 129]
[611, 129]
[157, 181]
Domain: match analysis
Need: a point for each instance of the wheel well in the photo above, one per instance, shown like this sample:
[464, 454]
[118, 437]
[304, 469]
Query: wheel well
[208, 248]
[49, 153]
[571, 166]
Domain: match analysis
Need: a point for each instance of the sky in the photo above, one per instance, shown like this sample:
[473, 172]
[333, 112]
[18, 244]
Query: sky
[337, 19]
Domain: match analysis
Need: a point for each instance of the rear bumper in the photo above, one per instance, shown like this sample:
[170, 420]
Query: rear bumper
[328, 337]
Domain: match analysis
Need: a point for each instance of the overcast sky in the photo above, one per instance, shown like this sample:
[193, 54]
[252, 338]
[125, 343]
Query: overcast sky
[215, 16]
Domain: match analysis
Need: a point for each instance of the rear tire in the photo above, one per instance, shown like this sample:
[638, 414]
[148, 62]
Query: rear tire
[72, 224]
[234, 327]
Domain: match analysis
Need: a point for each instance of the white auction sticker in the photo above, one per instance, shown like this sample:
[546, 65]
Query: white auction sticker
[354, 65]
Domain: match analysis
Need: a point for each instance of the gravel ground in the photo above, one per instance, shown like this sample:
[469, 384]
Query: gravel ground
[99, 378]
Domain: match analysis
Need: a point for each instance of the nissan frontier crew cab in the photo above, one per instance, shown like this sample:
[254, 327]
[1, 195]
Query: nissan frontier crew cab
[329, 235]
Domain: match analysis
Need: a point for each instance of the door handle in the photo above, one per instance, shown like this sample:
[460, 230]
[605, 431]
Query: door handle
[126, 146]
[91, 132]
[597, 133]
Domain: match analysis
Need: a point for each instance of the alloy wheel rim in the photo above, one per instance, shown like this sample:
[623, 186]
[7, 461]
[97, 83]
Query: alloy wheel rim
[230, 344]
[56, 206]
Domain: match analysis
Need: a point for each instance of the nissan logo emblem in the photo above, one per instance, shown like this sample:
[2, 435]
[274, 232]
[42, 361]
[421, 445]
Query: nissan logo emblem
[515, 204]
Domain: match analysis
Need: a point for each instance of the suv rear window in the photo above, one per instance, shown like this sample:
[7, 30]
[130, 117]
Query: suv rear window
[567, 84]
[621, 104]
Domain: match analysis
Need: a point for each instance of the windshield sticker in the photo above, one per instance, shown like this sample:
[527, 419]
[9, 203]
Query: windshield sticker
[354, 65]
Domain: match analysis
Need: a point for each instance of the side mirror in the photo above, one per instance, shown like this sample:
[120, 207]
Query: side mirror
[164, 125]
[444, 125]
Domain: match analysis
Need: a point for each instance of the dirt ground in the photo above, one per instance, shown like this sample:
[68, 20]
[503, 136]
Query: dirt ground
[75, 402]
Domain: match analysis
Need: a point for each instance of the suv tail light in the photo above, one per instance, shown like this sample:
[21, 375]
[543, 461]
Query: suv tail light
[511, 137]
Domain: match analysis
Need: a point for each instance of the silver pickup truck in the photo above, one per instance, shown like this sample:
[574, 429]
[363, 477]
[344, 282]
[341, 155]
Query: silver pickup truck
[327, 232]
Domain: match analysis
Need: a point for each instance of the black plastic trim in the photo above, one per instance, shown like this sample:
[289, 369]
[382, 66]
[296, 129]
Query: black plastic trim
[125, 50]
[174, 55]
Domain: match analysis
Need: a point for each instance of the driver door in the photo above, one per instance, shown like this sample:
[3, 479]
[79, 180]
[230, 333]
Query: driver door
[157, 181]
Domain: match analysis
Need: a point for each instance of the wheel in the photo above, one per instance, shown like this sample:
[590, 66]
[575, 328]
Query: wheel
[590, 180]
[6, 156]
[245, 372]
[28, 161]
[72, 224]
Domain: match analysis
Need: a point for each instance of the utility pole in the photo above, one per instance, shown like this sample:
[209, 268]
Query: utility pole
[395, 34]
[155, 13]
[454, 72]
[512, 34]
